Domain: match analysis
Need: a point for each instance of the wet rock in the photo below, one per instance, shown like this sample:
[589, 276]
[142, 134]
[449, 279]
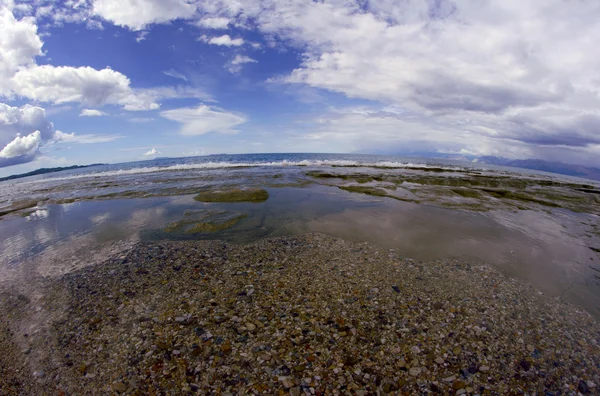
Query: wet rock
[414, 371]
[119, 387]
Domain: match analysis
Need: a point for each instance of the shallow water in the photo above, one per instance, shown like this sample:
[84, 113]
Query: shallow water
[548, 248]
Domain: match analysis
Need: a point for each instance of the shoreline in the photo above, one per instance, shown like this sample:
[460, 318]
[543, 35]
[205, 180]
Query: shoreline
[290, 315]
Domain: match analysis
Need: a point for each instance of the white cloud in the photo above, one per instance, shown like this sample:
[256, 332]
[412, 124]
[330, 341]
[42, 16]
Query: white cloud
[23, 131]
[213, 23]
[141, 36]
[63, 84]
[137, 14]
[175, 74]
[203, 119]
[91, 113]
[523, 73]
[223, 40]
[20, 76]
[22, 146]
[153, 152]
[19, 45]
[84, 139]
[236, 64]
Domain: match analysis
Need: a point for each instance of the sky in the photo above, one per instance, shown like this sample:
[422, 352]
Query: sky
[88, 81]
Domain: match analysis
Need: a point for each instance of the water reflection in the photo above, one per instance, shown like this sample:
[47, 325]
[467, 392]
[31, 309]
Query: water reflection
[550, 250]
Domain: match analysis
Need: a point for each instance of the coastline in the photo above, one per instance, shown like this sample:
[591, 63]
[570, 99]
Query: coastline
[290, 315]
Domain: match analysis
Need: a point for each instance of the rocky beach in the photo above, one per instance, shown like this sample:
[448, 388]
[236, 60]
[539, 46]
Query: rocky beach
[296, 280]
[309, 314]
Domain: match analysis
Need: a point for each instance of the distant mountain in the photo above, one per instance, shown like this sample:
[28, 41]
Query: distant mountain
[42, 171]
[534, 164]
[545, 166]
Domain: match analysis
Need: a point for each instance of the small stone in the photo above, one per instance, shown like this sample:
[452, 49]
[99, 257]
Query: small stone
[483, 369]
[176, 352]
[39, 374]
[530, 348]
[295, 391]
[583, 387]
[590, 384]
[226, 348]
[250, 326]
[287, 383]
[449, 379]
[461, 392]
[299, 368]
[458, 385]
[396, 289]
[439, 360]
[119, 387]
[415, 349]
[414, 371]
[457, 350]
[437, 305]
[525, 365]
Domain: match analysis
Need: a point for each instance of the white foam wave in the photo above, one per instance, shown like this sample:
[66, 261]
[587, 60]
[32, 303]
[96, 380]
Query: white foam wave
[225, 165]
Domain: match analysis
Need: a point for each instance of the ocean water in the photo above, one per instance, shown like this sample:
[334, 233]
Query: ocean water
[83, 216]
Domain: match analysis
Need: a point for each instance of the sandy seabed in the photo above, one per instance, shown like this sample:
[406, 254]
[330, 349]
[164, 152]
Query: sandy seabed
[308, 314]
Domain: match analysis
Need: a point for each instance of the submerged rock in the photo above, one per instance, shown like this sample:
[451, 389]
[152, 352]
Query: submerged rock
[234, 195]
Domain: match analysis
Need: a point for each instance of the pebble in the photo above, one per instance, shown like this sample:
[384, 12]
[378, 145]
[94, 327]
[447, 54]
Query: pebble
[291, 329]
[414, 371]
[119, 387]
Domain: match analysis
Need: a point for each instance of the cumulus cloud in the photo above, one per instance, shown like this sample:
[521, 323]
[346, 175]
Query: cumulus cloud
[236, 64]
[91, 113]
[213, 23]
[204, 119]
[19, 45]
[223, 40]
[137, 14]
[23, 131]
[152, 153]
[522, 73]
[22, 146]
[21, 76]
[63, 84]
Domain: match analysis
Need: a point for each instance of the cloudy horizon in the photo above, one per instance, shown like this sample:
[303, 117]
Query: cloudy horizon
[84, 81]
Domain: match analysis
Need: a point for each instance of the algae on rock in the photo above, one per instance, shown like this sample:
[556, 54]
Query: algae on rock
[233, 195]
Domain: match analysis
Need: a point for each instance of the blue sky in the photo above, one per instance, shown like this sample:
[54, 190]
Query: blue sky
[84, 81]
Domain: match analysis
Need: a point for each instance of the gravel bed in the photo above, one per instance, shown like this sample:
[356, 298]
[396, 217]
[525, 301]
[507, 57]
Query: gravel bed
[308, 314]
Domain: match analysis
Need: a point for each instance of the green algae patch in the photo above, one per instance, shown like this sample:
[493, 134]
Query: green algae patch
[214, 227]
[378, 192]
[519, 197]
[374, 191]
[466, 193]
[234, 195]
[17, 206]
[205, 222]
